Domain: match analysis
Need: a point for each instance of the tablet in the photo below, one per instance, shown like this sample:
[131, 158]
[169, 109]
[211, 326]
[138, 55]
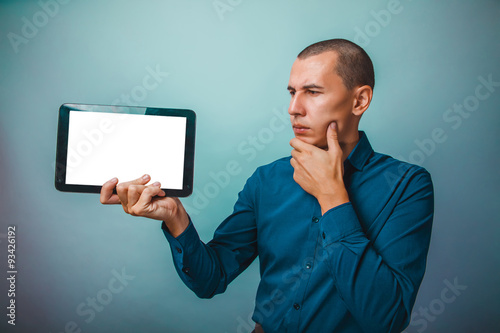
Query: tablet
[98, 142]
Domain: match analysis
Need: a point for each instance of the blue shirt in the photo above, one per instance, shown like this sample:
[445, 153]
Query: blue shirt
[357, 268]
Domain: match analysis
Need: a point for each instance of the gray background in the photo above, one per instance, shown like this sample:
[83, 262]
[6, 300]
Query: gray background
[232, 68]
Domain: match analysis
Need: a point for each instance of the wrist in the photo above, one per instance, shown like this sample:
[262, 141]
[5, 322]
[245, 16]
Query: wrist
[332, 200]
[177, 222]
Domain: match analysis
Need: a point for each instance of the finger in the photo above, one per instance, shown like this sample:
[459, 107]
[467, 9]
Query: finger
[107, 196]
[161, 193]
[332, 137]
[298, 144]
[135, 191]
[296, 157]
[143, 205]
[122, 189]
[133, 194]
[295, 165]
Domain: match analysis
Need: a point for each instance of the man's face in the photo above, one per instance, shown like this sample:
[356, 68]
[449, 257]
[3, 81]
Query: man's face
[318, 97]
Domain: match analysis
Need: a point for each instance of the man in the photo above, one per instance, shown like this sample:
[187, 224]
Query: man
[341, 232]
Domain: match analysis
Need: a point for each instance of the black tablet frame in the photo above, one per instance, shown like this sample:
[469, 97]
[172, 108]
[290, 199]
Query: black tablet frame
[62, 143]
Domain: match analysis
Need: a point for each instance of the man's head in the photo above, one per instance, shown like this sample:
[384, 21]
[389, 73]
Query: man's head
[330, 81]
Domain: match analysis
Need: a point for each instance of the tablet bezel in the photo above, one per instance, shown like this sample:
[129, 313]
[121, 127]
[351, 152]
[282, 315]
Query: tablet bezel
[62, 143]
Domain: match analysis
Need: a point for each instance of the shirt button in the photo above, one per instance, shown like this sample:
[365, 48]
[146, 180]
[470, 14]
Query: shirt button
[178, 249]
[308, 265]
[185, 270]
[296, 306]
[315, 219]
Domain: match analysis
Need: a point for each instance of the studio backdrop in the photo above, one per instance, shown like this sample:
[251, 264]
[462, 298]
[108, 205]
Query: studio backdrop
[84, 267]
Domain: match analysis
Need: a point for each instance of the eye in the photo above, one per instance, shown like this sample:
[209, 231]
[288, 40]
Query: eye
[313, 92]
[292, 93]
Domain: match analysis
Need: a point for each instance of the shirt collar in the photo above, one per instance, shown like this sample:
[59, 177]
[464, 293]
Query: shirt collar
[360, 154]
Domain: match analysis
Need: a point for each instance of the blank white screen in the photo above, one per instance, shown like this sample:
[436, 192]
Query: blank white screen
[106, 145]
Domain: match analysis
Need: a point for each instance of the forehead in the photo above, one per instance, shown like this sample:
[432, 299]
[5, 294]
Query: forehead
[314, 69]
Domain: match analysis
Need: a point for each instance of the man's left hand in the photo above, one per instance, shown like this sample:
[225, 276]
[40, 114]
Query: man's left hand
[320, 172]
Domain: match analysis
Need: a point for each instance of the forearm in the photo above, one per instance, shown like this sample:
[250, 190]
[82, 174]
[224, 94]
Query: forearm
[195, 262]
[377, 286]
[207, 269]
[370, 290]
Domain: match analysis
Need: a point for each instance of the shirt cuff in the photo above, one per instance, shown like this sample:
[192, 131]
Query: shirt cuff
[183, 246]
[185, 242]
[338, 223]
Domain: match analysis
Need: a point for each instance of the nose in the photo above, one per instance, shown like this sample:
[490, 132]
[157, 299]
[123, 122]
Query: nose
[296, 105]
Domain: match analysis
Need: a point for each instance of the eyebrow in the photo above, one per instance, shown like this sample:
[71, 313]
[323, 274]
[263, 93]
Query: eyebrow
[307, 86]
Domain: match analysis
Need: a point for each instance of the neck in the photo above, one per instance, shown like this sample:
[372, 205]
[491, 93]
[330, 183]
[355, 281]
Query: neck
[348, 144]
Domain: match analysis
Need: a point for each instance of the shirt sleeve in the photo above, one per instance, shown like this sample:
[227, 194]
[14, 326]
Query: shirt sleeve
[378, 281]
[207, 269]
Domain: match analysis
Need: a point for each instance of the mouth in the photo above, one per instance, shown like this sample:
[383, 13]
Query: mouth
[300, 129]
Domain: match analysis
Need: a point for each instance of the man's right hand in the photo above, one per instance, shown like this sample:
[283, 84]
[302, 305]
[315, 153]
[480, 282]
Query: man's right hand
[139, 199]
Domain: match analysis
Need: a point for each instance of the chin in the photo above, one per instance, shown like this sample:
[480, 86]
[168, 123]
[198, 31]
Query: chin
[320, 143]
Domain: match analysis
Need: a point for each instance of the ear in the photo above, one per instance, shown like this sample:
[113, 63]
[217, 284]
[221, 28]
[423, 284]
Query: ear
[362, 99]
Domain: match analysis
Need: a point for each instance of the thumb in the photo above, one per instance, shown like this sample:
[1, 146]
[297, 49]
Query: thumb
[332, 137]
[141, 181]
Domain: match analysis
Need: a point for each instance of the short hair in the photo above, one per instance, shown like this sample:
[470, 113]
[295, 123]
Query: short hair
[354, 66]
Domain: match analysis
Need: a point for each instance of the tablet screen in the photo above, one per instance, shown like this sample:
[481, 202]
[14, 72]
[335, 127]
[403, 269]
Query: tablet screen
[97, 143]
[106, 145]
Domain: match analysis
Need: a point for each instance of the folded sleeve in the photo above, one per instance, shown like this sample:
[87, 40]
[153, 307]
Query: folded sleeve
[378, 279]
[207, 269]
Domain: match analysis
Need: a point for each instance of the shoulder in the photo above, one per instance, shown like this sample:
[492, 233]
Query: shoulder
[276, 171]
[389, 162]
[268, 178]
[280, 166]
[283, 162]
[400, 173]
